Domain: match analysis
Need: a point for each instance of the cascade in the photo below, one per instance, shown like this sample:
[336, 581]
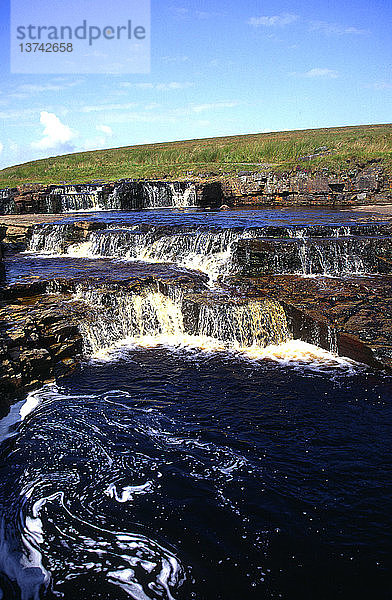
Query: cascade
[152, 317]
[131, 195]
[72, 198]
[209, 251]
[49, 238]
[7, 202]
[329, 256]
[217, 252]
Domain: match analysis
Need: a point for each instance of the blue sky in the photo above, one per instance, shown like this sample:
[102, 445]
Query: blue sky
[217, 68]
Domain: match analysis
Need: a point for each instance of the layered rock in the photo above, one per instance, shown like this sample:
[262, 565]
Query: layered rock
[39, 339]
[361, 184]
[41, 332]
[2, 268]
[350, 316]
[120, 195]
[336, 256]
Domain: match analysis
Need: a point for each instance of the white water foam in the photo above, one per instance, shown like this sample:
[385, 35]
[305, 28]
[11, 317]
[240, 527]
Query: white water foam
[32, 401]
[292, 353]
[128, 492]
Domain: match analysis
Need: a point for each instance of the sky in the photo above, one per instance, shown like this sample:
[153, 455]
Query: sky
[217, 68]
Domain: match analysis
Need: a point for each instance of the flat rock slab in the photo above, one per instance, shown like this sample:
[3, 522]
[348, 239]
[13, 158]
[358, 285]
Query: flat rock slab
[28, 220]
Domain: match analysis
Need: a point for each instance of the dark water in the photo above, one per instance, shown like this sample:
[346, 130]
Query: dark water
[187, 475]
[283, 216]
[30, 268]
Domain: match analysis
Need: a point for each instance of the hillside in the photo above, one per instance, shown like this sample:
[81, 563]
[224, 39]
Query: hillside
[336, 147]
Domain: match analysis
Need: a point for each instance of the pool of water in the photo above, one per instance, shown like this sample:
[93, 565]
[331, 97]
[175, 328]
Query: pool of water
[162, 473]
[285, 216]
[30, 268]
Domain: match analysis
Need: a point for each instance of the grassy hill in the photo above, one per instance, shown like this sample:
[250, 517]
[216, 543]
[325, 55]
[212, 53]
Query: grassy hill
[337, 147]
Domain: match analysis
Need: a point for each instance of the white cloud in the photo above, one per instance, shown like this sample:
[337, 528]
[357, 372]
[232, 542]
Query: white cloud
[174, 59]
[186, 13]
[335, 28]
[382, 85]
[1, 147]
[33, 88]
[198, 108]
[97, 143]
[273, 21]
[171, 85]
[317, 72]
[13, 146]
[18, 115]
[174, 85]
[25, 90]
[56, 135]
[105, 129]
[172, 115]
[103, 107]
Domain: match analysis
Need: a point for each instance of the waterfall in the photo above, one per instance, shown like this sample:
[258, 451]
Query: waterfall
[208, 251]
[218, 252]
[123, 195]
[168, 195]
[183, 198]
[151, 317]
[257, 323]
[7, 202]
[328, 256]
[333, 256]
[136, 195]
[49, 238]
[75, 198]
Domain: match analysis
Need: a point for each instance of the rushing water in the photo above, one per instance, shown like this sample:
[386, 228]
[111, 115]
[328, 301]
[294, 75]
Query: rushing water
[332, 250]
[130, 195]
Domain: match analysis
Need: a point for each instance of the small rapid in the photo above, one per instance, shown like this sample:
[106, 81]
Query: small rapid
[218, 252]
[151, 318]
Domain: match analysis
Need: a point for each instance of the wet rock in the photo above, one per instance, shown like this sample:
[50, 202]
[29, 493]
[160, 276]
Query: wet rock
[33, 362]
[36, 335]
[2, 268]
[351, 316]
[319, 255]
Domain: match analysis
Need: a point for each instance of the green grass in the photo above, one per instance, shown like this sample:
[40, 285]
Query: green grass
[279, 151]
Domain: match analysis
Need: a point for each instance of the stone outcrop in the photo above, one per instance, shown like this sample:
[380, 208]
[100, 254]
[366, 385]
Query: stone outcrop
[40, 333]
[2, 268]
[314, 256]
[39, 339]
[360, 185]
